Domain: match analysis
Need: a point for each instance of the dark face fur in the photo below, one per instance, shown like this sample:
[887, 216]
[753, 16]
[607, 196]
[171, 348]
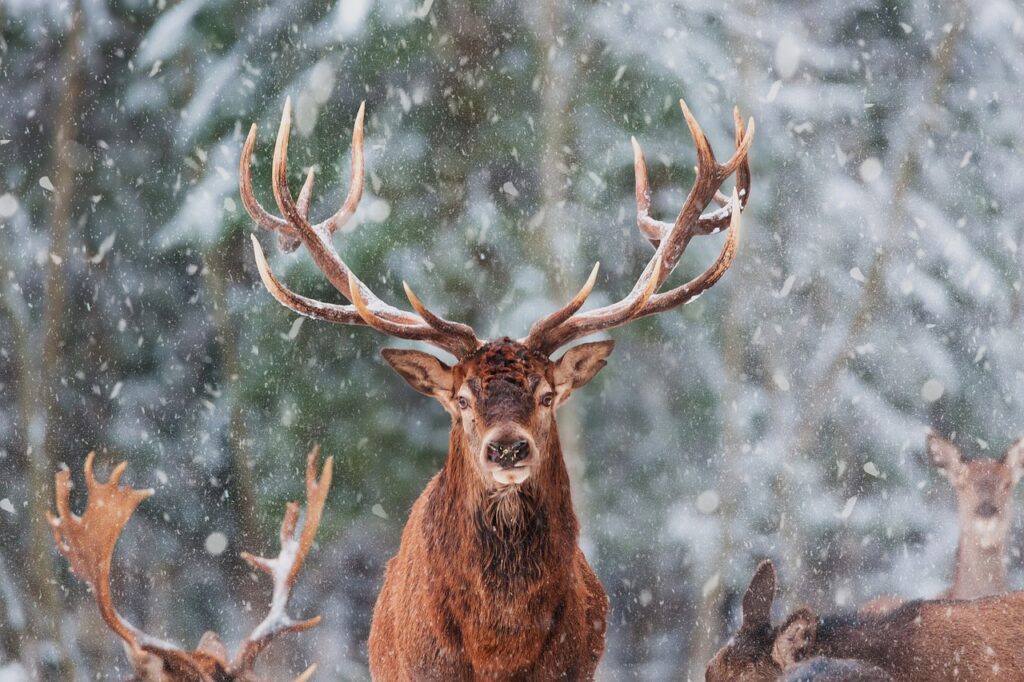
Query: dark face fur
[503, 399]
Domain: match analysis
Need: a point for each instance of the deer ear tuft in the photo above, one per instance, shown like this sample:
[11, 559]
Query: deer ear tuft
[795, 638]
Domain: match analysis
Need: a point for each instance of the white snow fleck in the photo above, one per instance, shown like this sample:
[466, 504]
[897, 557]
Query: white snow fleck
[773, 91]
[848, 508]
[423, 10]
[870, 169]
[967, 159]
[780, 380]
[932, 390]
[7, 505]
[293, 331]
[105, 246]
[45, 183]
[57, 260]
[787, 286]
[787, 56]
[710, 586]
[117, 390]
[619, 73]
[8, 205]
[510, 189]
[216, 543]
[871, 469]
[907, 28]
[377, 211]
[857, 275]
[378, 510]
[707, 502]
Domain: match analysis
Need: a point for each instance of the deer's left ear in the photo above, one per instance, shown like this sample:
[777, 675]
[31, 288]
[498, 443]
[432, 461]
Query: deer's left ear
[423, 371]
[1014, 458]
[794, 639]
[578, 365]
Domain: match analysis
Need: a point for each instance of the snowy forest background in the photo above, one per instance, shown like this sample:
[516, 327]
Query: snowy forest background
[877, 293]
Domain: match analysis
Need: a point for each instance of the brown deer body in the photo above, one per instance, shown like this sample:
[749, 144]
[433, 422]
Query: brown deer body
[920, 641]
[984, 497]
[515, 596]
[835, 670]
[88, 542]
[489, 581]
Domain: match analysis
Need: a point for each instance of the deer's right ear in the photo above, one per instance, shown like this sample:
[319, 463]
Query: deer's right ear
[945, 457]
[1014, 458]
[795, 638]
[423, 371]
[757, 601]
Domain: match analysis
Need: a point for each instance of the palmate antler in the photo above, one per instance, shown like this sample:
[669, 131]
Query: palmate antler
[548, 334]
[88, 542]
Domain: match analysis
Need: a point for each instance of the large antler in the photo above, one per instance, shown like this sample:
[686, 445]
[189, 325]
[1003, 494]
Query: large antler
[670, 241]
[88, 543]
[285, 567]
[294, 228]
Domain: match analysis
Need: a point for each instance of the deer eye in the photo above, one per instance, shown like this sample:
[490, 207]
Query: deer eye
[547, 399]
[463, 403]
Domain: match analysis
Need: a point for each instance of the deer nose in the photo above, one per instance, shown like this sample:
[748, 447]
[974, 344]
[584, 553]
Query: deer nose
[986, 510]
[508, 453]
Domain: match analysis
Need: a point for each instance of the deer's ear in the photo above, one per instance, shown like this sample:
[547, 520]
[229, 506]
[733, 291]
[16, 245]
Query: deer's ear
[757, 601]
[945, 457]
[423, 371]
[794, 640]
[1014, 458]
[578, 365]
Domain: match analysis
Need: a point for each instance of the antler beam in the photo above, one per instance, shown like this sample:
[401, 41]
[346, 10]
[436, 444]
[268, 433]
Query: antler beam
[294, 228]
[670, 241]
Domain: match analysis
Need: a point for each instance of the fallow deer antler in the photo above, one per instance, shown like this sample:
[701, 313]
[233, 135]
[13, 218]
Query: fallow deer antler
[88, 543]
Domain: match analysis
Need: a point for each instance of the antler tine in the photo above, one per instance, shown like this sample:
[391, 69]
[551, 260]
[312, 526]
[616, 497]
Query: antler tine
[441, 325]
[288, 237]
[654, 230]
[670, 240]
[686, 293]
[285, 567]
[356, 180]
[318, 310]
[453, 337]
[542, 326]
[88, 541]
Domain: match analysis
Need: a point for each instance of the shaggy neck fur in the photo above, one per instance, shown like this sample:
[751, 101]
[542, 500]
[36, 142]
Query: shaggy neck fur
[509, 535]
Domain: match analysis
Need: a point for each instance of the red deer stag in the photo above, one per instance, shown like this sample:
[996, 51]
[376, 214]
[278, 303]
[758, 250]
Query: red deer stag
[88, 541]
[984, 500]
[489, 580]
[921, 641]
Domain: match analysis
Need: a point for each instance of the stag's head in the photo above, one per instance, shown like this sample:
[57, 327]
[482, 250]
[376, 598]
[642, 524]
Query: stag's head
[759, 652]
[502, 394]
[503, 397]
[984, 487]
